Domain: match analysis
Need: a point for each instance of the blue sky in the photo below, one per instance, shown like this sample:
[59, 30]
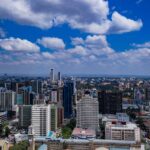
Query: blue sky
[75, 37]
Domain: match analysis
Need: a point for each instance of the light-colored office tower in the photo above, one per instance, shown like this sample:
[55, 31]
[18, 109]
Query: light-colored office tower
[52, 75]
[7, 100]
[87, 112]
[122, 131]
[41, 119]
[25, 116]
[44, 119]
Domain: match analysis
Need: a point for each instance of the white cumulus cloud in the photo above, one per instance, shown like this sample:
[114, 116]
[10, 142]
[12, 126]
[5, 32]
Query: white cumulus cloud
[121, 24]
[19, 45]
[144, 45]
[52, 43]
[87, 15]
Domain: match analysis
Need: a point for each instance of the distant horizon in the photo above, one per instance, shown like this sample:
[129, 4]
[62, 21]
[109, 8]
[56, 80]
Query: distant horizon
[74, 75]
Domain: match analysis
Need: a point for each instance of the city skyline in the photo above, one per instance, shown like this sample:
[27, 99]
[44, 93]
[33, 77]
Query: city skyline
[77, 37]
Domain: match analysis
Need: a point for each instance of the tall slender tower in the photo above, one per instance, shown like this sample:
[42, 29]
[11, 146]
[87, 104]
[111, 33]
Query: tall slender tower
[52, 75]
[59, 79]
[59, 76]
[68, 91]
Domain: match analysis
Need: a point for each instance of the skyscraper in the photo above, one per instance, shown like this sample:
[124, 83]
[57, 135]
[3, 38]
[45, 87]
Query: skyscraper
[44, 119]
[59, 79]
[87, 112]
[52, 75]
[54, 95]
[60, 116]
[59, 76]
[147, 94]
[53, 117]
[7, 100]
[109, 102]
[37, 86]
[25, 115]
[41, 119]
[68, 92]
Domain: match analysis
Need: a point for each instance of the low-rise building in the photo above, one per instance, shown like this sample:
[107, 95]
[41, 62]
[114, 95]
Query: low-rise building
[79, 133]
[122, 131]
[3, 145]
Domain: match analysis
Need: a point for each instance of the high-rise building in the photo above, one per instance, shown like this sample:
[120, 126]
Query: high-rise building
[25, 116]
[59, 79]
[60, 95]
[54, 96]
[52, 75]
[37, 86]
[41, 119]
[87, 112]
[13, 86]
[147, 93]
[19, 99]
[7, 100]
[44, 119]
[122, 131]
[53, 117]
[26, 94]
[60, 116]
[68, 91]
[109, 102]
[59, 76]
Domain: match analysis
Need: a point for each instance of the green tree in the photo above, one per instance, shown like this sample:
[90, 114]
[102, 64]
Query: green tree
[66, 132]
[20, 146]
[140, 122]
[72, 124]
[7, 131]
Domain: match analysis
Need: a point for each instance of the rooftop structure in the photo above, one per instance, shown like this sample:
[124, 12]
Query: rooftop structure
[79, 133]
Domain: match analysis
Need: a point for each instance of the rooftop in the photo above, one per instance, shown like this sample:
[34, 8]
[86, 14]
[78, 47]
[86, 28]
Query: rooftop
[85, 132]
[120, 125]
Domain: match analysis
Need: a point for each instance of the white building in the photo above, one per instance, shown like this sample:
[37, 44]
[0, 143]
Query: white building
[87, 112]
[122, 131]
[41, 119]
[44, 119]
